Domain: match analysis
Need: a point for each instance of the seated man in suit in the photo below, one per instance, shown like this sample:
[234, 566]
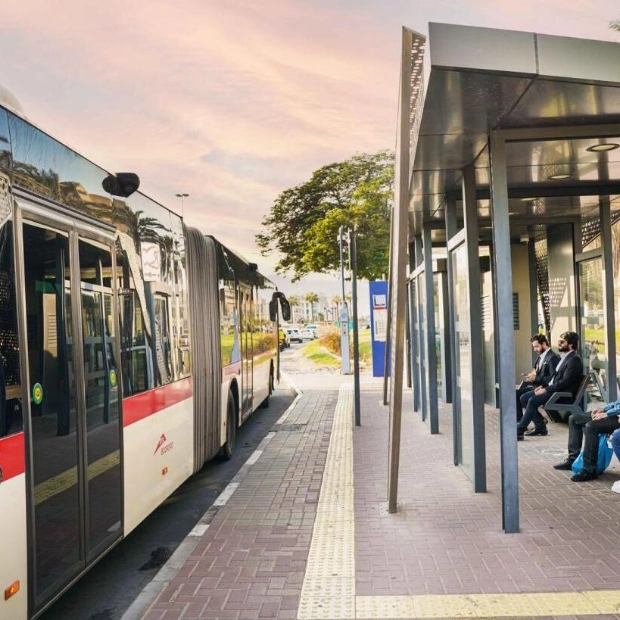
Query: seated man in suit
[567, 378]
[603, 422]
[544, 367]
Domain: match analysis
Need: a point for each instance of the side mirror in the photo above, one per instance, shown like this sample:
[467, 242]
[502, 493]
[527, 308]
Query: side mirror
[273, 310]
[286, 308]
[122, 184]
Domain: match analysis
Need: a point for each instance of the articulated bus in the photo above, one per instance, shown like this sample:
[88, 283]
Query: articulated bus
[131, 349]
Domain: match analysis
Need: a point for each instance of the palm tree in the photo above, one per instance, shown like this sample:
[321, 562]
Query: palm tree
[615, 25]
[293, 300]
[311, 298]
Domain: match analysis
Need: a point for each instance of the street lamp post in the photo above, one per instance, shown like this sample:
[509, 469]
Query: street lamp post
[182, 197]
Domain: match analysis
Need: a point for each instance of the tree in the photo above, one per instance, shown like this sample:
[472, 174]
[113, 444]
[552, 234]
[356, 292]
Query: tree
[293, 300]
[303, 222]
[312, 298]
[615, 25]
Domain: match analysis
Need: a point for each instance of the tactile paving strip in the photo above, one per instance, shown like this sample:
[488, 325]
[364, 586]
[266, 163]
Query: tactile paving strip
[328, 590]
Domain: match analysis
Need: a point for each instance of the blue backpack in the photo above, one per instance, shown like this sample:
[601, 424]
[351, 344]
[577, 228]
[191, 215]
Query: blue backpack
[605, 452]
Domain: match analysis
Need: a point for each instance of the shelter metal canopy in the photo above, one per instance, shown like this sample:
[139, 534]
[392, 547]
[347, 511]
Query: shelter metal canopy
[555, 97]
[510, 124]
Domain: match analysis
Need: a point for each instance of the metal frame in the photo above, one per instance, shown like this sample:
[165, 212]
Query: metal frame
[397, 285]
[431, 351]
[502, 261]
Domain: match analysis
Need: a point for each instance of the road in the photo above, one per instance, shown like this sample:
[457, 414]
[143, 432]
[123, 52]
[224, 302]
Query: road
[112, 585]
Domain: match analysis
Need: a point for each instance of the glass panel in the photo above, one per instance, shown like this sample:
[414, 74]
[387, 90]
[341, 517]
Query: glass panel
[229, 324]
[11, 418]
[101, 397]
[5, 141]
[162, 341]
[465, 413]
[134, 357]
[52, 384]
[423, 345]
[439, 331]
[593, 350]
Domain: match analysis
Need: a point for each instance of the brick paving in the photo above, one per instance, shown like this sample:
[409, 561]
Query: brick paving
[444, 540]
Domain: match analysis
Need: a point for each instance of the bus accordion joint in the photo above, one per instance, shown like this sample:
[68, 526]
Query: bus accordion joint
[11, 590]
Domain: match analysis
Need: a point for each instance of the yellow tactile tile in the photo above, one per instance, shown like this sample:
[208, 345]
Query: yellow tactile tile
[384, 607]
[606, 601]
[328, 590]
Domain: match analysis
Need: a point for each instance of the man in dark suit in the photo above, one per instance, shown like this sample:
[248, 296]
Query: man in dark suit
[544, 368]
[567, 378]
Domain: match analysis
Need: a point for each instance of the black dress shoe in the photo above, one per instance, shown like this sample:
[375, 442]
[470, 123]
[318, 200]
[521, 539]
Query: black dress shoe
[537, 431]
[567, 465]
[584, 476]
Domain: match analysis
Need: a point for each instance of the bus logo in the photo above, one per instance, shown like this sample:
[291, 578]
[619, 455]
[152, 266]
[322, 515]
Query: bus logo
[160, 443]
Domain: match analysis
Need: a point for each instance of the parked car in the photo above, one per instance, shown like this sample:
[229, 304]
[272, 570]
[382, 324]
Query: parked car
[293, 334]
[307, 334]
[283, 339]
[313, 329]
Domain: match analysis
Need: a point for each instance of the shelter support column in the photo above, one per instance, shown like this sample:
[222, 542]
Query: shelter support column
[451, 230]
[476, 362]
[414, 326]
[505, 327]
[608, 299]
[398, 269]
[430, 333]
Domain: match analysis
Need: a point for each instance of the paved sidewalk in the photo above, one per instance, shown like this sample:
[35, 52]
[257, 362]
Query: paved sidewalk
[303, 529]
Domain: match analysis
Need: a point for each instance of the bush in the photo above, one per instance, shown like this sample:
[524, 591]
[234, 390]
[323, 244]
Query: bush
[331, 341]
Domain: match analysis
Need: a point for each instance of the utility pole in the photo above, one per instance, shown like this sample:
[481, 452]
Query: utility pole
[344, 313]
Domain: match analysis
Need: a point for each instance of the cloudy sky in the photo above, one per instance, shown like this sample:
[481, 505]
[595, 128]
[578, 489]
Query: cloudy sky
[233, 101]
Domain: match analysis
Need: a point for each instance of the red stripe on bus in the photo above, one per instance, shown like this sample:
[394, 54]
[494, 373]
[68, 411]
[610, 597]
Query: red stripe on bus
[12, 456]
[140, 406]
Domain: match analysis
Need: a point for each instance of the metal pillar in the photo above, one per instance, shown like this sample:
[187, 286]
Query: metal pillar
[506, 349]
[451, 230]
[431, 347]
[470, 213]
[356, 341]
[398, 290]
[608, 296]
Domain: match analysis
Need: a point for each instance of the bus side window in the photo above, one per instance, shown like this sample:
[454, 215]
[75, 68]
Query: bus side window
[11, 419]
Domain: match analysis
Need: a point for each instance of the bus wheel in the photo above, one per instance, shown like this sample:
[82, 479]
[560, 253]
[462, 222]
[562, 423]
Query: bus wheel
[265, 403]
[231, 427]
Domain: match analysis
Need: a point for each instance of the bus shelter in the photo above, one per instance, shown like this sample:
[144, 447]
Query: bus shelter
[506, 223]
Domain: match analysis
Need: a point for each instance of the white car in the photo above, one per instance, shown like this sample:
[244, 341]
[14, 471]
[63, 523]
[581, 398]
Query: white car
[307, 334]
[293, 334]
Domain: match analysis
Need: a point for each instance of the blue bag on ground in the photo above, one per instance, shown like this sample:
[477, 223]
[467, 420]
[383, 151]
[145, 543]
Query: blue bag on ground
[605, 453]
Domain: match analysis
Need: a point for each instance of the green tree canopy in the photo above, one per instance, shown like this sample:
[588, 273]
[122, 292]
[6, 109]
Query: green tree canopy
[303, 222]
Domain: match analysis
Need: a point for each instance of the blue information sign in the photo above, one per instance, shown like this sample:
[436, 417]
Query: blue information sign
[378, 325]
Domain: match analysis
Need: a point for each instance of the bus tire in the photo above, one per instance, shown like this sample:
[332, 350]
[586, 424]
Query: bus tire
[231, 428]
[265, 403]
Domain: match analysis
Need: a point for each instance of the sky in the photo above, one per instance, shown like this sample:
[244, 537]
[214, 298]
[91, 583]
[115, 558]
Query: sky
[234, 101]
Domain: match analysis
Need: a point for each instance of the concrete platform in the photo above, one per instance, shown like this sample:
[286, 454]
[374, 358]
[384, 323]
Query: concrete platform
[303, 530]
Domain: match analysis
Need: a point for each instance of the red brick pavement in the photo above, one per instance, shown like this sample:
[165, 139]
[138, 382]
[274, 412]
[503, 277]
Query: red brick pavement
[444, 539]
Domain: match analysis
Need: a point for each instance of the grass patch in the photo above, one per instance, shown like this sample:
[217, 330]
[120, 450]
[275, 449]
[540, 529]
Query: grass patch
[331, 342]
[315, 352]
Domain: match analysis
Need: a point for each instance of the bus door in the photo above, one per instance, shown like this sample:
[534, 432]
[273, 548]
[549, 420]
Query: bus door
[70, 351]
[245, 307]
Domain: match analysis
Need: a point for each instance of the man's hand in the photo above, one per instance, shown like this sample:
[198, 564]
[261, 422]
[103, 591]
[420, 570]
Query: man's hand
[540, 390]
[530, 377]
[598, 414]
